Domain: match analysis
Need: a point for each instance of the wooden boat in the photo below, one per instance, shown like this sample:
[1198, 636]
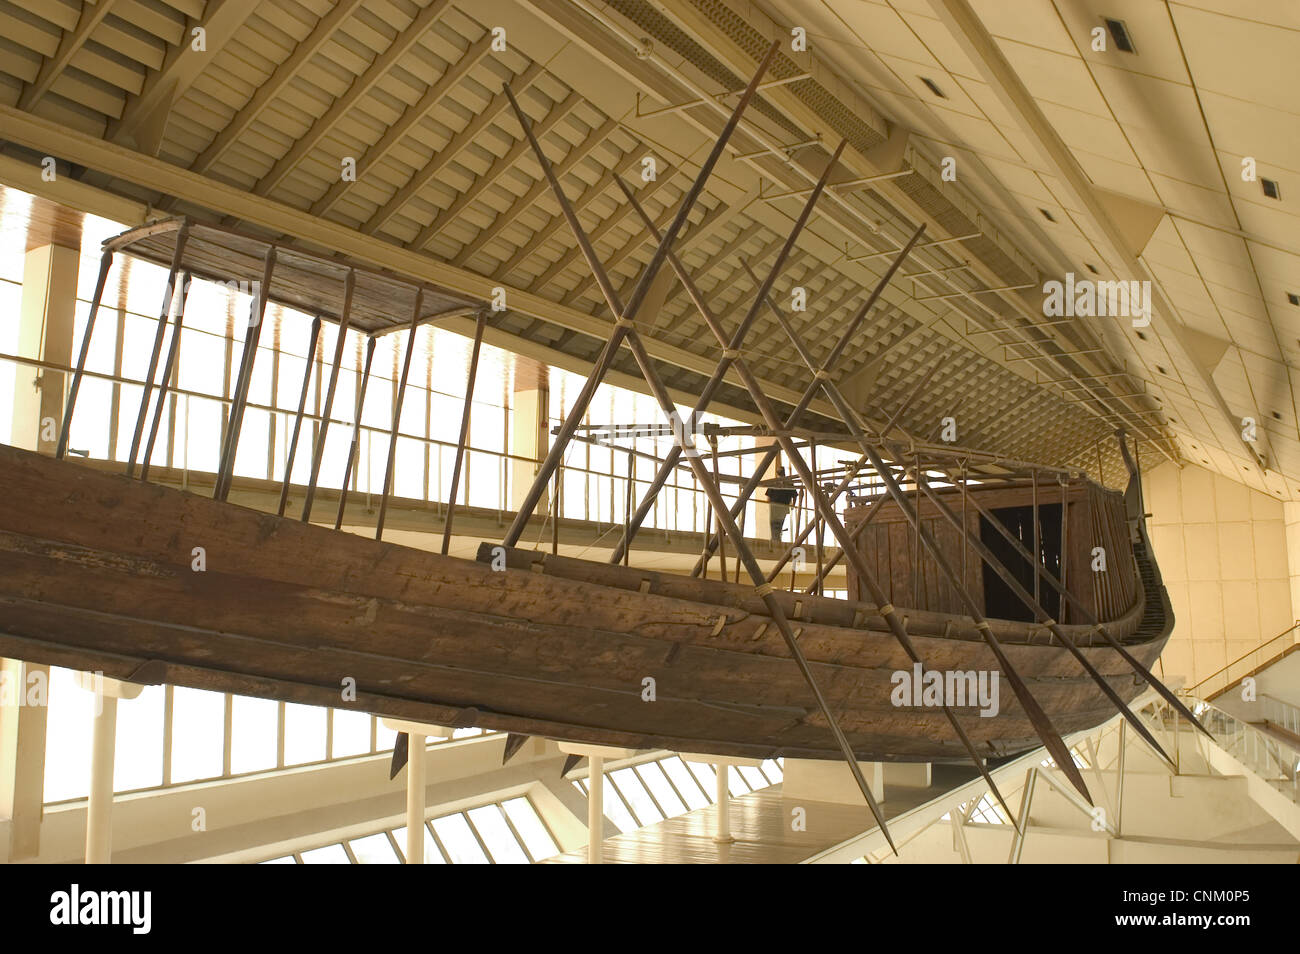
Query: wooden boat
[98, 572]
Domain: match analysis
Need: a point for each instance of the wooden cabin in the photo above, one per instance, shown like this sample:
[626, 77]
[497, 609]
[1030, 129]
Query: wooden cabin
[1093, 517]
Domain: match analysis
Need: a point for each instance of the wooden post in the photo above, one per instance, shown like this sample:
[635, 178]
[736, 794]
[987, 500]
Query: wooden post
[349, 285]
[397, 413]
[168, 365]
[297, 420]
[623, 319]
[257, 311]
[465, 414]
[356, 432]
[105, 263]
[169, 295]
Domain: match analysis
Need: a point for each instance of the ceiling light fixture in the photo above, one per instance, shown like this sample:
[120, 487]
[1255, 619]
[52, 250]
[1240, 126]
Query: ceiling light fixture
[933, 87]
[1119, 33]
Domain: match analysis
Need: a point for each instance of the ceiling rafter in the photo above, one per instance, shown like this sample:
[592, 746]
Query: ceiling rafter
[467, 197]
[411, 115]
[303, 51]
[69, 45]
[705, 33]
[542, 235]
[405, 41]
[504, 219]
[144, 117]
[426, 173]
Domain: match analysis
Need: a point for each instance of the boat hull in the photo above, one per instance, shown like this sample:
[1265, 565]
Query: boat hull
[99, 572]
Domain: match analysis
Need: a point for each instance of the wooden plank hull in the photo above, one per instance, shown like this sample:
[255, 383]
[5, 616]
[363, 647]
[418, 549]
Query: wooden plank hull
[97, 572]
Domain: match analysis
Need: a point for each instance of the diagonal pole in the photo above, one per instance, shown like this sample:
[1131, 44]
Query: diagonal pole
[297, 418]
[1052, 740]
[623, 318]
[169, 296]
[253, 334]
[464, 430]
[897, 627]
[824, 371]
[164, 382]
[318, 452]
[856, 531]
[356, 431]
[1000, 568]
[730, 351]
[686, 443]
[105, 263]
[397, 413]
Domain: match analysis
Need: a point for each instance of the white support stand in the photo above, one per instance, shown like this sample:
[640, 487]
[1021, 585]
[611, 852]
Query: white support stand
[416, 763]
[99, 806]
[722, 767]
[597, 754]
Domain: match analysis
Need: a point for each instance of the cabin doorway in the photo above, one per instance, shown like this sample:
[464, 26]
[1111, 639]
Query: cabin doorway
[1000, 601]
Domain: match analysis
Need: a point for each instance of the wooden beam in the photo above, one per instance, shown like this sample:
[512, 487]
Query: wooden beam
[52, 138]
[405, 40]
[303, 51]
[144, 120]
[424, 175]
[70, 44]
[411, 116]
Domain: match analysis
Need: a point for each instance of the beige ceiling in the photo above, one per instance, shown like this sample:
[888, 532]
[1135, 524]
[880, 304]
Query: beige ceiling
[446, 187]
[1211, 82]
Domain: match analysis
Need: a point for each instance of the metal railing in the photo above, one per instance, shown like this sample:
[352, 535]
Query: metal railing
[1262, 656]
[1271, 759]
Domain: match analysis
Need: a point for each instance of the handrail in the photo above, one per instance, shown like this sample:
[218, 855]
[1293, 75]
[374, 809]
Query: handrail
[1219, 682]
[1266, 755]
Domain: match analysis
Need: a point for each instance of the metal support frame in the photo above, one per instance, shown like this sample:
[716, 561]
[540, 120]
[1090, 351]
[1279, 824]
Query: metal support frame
[356, 433]
[297, 419]
[397, 413]
[479, 327]
[318, 452]
[164, 383]
[257, 314]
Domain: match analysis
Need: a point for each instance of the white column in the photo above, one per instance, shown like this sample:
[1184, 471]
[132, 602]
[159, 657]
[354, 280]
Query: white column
[722, 768]
[45, 328]
[99, 807]
[596, 811]
[417, 763]
[597, 754]
[415, 785]
[724, 804]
